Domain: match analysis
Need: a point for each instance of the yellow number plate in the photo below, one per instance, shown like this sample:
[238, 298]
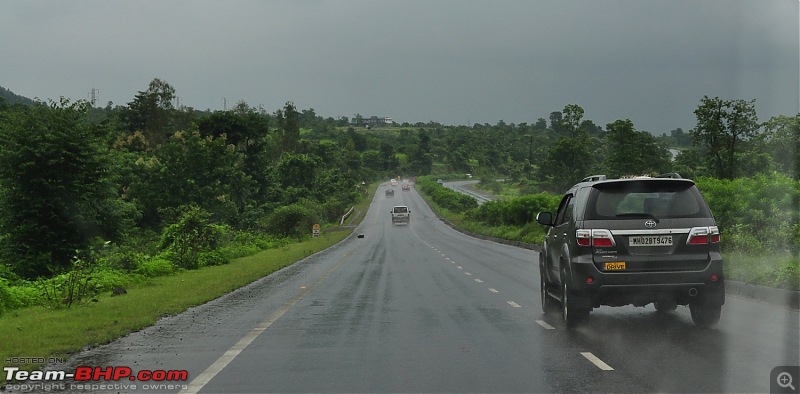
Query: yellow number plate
[614, 266]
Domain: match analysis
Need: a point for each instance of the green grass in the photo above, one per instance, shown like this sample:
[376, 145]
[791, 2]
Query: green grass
[41, 332]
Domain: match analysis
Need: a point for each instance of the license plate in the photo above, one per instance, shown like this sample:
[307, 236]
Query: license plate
[614, 266]
[650, 240]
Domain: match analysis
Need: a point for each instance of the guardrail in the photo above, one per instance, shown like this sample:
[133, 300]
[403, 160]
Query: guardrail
[341, 222]
[463, 190]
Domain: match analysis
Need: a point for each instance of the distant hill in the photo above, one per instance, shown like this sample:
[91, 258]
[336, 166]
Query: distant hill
[11, 98]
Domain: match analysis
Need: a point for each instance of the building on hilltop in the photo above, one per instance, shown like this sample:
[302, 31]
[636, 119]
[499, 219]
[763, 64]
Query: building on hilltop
[372, 121]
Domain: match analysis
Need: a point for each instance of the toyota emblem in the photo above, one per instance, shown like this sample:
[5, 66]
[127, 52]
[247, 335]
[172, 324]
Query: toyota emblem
[650, 223]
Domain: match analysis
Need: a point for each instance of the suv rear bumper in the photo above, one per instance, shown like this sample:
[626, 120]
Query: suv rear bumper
[640, 288]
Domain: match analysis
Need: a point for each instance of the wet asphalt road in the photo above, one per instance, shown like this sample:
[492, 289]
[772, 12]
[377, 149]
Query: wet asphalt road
[423, 308]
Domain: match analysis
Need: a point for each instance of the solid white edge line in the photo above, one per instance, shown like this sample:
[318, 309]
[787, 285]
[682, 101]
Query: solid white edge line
[201, 380]
[545, 325]
[596, 361]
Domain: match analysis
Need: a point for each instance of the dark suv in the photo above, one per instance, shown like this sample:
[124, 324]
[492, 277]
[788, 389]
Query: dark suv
[632, 241]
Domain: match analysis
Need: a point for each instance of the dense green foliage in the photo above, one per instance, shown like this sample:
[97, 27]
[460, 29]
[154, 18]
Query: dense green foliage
[519, 211]
[167, 188]
[755, 214]
[57, 190]
[444, 197]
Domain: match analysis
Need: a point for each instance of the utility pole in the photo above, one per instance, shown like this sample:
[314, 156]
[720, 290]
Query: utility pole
[94, 95]
[224, 103]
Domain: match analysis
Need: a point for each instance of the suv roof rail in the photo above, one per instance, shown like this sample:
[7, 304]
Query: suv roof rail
[593, 178]
[673, 175]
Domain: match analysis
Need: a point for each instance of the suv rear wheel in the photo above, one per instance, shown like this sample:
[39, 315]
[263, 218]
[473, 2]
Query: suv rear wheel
[571, 313]
[549, 304]
[705, 315]
[665, 306]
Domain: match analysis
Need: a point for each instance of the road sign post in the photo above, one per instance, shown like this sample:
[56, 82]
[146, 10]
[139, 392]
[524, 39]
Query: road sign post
[315, 230]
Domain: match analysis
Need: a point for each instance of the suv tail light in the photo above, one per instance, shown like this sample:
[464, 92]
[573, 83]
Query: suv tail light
[703, 235]
[595, 237]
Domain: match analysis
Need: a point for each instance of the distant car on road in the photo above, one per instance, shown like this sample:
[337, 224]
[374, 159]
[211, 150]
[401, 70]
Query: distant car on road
[393, 182]
[400, 214]
[439, 181]
[389, 192]
[406, 187]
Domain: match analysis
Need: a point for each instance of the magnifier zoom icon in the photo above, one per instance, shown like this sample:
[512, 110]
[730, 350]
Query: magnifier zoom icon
[785, 380]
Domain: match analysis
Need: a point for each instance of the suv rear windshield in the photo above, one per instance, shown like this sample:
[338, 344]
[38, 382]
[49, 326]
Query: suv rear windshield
[400, 209]
[645, 198]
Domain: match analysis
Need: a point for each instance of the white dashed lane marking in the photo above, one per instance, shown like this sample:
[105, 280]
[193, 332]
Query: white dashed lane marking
[514, 304]
[493, 290]
[596, 361]
[545, 325]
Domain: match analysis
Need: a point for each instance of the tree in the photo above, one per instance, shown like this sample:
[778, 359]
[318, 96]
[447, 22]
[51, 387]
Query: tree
[568, 161]
[632, 152]
[151, 112]
[191, 169]
[573, 114]
[420, 157]
[289, 125]
[783, 143]
[57, 190]
[390, 161]
[359, 139]
[556, 121]
[722, 126]
[680, 137]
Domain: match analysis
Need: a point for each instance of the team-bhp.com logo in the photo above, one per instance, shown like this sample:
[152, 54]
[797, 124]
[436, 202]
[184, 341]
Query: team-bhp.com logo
[95, 379]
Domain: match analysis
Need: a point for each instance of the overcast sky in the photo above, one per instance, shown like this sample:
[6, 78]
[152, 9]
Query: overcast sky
[449, 61]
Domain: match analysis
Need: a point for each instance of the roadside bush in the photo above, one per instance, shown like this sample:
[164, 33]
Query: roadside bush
[214, 257]
[788, 275]
[71, 288]
[191, 236]
[5, 296]
[22, 295]
[523, 210]
[107, 280]
[294, 220]
[231, 252]
[516, 212]
[444, 197]
[156, 266]
[754, 214]
[490, 213]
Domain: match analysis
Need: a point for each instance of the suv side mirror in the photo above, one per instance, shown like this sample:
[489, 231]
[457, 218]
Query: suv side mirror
[544, 218]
